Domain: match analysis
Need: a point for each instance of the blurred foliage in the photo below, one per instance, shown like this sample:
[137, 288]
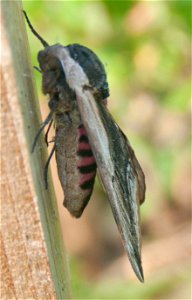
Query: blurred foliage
[145, 46]
[157, 288]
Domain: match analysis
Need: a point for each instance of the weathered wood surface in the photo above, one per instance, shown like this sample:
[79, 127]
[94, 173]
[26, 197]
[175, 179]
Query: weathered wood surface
[29, 269]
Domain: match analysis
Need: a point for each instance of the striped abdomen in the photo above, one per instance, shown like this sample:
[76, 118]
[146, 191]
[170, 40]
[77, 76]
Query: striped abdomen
[76, 166]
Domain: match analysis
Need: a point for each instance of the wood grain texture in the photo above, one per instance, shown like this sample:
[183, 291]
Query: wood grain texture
[29, 269]
[25, 268]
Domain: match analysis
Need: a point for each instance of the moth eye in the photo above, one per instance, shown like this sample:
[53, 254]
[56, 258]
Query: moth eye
[52, 66]
[53, 69]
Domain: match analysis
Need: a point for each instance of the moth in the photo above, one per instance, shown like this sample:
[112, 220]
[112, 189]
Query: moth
[87, 138]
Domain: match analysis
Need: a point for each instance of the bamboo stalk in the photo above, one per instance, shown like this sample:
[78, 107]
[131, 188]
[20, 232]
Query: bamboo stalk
[20, 102]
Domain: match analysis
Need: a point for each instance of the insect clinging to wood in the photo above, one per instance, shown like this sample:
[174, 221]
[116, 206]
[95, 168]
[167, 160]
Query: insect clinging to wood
[87, 138]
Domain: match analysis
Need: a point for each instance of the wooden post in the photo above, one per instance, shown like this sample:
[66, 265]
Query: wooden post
[30, 268]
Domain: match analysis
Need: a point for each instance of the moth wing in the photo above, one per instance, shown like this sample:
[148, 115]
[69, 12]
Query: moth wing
[119, 170]
[137, 168]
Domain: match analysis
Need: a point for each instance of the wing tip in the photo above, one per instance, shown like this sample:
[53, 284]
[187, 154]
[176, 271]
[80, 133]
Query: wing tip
[137, 267]
[139, 274]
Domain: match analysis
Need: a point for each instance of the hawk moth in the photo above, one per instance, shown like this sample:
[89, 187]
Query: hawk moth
[87, 138]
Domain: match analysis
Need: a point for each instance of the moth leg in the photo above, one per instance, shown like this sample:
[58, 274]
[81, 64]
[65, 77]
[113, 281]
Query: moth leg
[37, 69]
[47, 120]
[47, 166]
[47, 132]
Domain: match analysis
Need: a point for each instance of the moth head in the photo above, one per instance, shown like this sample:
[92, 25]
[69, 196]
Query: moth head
[48, 61]
[51, 69]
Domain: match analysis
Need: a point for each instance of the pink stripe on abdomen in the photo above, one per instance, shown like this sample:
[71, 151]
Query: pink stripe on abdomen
[86, 161]
[87, 177]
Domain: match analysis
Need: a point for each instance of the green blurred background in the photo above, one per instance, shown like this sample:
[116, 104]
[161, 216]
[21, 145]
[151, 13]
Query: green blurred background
[145, 47]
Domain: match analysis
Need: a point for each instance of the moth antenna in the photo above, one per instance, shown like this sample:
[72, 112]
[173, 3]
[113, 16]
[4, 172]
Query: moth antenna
[45, 44]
